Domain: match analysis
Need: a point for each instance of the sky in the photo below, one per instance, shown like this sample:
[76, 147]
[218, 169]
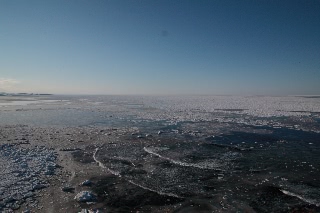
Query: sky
[256, 47]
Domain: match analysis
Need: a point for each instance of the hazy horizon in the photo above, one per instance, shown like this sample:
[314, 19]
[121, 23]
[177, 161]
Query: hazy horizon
[160, 47]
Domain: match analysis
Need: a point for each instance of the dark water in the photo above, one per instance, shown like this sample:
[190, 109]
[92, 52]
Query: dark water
[273, 172]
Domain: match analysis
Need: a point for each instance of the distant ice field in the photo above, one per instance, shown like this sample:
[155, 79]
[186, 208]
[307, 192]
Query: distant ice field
[304, 112]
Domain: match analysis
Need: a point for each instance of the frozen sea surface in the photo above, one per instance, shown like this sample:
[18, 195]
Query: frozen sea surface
[236, 153]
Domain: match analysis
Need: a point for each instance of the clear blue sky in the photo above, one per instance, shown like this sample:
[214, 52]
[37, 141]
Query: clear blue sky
[160, 47]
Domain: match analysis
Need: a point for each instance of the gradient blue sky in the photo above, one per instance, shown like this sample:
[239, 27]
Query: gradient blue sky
[160, 47]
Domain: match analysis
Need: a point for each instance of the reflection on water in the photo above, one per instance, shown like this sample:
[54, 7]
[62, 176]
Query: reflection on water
[25, 102]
